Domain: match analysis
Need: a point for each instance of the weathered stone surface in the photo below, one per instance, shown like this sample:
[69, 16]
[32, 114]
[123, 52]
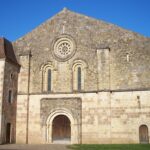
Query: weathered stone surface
[9, 69]
[49, 105]
[89, 35]
[110, 102]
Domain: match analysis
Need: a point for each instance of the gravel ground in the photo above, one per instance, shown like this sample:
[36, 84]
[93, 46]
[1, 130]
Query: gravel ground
[34, 147]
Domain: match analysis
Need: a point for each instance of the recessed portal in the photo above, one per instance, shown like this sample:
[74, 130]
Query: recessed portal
[143, 134]
[61, 130]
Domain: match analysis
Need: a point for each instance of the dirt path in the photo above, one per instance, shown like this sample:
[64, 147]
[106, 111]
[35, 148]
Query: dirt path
[34, 147]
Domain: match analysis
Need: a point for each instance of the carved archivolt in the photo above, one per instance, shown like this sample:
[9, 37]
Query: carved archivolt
[78, 63]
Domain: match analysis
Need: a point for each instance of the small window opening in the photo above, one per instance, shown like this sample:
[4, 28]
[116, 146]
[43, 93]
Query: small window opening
[79, 78]
[10, 96]
[49, 80]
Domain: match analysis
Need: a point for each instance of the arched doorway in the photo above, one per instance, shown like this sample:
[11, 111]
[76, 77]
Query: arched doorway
[8, 133]
[143, 134]
[61, 129]
[74, 126]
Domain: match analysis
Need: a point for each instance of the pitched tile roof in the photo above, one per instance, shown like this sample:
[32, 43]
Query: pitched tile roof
[7, 51]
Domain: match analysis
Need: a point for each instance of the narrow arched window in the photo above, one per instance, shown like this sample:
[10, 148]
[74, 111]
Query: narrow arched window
[49, 78]
[79, 78]
[10, 96]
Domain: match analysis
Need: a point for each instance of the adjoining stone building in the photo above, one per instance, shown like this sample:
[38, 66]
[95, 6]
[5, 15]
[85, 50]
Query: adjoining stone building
[9, 69]
[75, 79]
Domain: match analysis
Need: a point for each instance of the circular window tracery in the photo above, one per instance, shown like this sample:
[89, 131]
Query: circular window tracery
[64, 48]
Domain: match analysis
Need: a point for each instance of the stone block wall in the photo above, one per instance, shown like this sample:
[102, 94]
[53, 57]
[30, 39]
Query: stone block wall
[116, 83]
[129, 110]
[126, 64]
[21, 121]
[96, 118]
[116, 117]
[9, 107]
[105, 117]
[2, 66]
[23, 79]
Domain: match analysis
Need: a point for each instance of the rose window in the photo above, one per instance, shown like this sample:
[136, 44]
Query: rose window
[64, 48]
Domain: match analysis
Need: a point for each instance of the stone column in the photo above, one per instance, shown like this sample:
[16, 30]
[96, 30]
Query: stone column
[24, 74]
[23, 99]
[103, 61]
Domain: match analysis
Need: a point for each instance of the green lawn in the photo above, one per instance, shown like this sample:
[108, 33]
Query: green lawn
[110, 147]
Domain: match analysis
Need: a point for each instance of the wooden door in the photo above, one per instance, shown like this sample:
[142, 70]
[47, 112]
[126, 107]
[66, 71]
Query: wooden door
[8, 133]
[61, 128]
[143, 134]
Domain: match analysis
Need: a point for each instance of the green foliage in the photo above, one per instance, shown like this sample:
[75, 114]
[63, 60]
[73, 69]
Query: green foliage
[110, 147]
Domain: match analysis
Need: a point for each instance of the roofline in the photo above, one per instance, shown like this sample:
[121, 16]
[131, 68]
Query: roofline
[7, 57]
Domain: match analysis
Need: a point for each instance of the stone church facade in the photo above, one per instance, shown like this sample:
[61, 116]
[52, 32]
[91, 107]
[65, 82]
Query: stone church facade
[75, 79]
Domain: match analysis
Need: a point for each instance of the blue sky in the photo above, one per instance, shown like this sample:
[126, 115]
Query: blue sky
[18, 17]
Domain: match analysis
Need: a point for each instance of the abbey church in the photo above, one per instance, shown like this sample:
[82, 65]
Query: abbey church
[75, 79]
